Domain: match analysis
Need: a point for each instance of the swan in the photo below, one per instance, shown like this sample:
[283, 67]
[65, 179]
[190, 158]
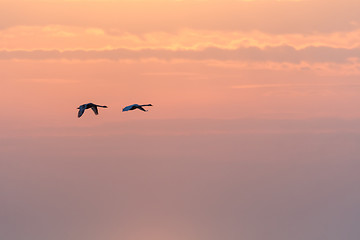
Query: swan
[136, 106]
[93, 106]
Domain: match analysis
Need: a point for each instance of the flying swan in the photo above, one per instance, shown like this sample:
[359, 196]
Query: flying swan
[93, 106]
[136, 106]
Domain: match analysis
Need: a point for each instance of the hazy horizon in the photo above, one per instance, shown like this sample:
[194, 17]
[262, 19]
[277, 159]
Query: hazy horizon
[253, 133]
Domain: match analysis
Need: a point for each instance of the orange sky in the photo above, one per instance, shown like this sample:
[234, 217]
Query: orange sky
[253, 134]
[180, 50]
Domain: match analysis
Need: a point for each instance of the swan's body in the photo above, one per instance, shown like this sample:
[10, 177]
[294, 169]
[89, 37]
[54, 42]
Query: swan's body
[93, 106]
[136, 106]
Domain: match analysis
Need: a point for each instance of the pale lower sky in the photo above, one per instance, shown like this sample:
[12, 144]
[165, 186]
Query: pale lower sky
[253, 134]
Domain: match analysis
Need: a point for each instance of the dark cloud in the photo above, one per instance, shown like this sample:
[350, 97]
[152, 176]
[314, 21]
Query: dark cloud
[272, 54]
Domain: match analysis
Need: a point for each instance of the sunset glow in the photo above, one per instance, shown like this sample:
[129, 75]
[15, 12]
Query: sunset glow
[253, 133]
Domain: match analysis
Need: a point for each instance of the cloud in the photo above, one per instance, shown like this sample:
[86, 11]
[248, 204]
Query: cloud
[277, 17]
[246, 86]
[62, 37]
[269, 54]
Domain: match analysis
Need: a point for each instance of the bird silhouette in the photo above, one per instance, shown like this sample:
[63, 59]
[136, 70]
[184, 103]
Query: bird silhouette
[136, 106]
[93, 106]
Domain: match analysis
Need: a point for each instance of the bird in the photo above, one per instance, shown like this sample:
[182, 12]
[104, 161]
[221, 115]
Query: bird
[136, 106]
[93, 106]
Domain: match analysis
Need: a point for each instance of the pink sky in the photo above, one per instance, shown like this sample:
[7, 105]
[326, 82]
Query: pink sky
[253, 134]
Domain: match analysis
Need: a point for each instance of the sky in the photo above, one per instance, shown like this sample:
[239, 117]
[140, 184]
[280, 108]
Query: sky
[253, 134]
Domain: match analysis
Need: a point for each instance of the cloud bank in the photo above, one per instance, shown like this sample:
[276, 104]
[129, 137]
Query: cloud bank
[271, 54]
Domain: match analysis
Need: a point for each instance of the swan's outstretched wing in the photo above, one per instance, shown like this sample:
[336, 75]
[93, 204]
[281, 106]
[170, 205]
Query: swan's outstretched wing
[142, 109]
[128, 108]
[94, 108]
[81, 110]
